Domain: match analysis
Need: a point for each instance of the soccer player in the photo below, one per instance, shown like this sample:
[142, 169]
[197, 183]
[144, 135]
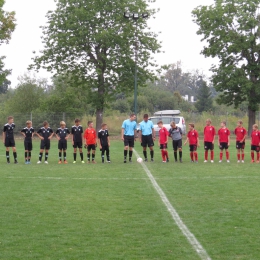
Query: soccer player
[28, 133]
[77, 140]
[128, 135]
[163, 140]
[8, 139]
[91, 140]
[147, 136]
[209, 138]
[240, 133]
[62, 135]
[45, 133]
[223, 141]
[176, 133]
[193, 139]
[104, 142]
[255, 142]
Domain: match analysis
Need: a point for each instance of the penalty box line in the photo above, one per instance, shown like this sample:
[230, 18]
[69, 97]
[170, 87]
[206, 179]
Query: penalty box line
[186, 232]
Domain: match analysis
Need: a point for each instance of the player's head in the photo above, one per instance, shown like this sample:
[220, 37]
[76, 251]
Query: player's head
[173, 124]
[62, 124]
[223, 124]
[132, 117]
[77, 121]
[90, 124]
[45, 124]
[146, 117]
[255, 127]
[191, 126]
[160, 124]
[208, 122]
[239, 123]
[104, 126]
[10, 119]
[28, 123]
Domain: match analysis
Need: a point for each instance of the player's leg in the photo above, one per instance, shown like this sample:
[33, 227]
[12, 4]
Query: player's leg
[144, 152]
[212, 152]
[46, 154]
[195, 153]
[243, 153]
[257, 154]
[88, 153]
[221, 152]
[107, 153]
[41, 153]
[131, 146]
[126, 147]
[93, 153]
[74, 152]
[227, 153]
[81, 152]
[175, 147]
[29, 148]
[103, 150]
[60, 156]
[192, 155]
[206, 151]
[162, 153]
[252, 154]
[180, 149]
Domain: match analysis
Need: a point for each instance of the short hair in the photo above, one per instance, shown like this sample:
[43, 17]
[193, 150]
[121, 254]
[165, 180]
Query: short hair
[77, 120]
[45, 123]
[104, 124]
[192, 125]
[90, 122]
[240, 122]
[255, 126]
[10, 117]
[133, 114]
[209, 120]
[173, 123]
[28, 122]
[62, 123]
[146, 116]
[224, 122]
[160, 122]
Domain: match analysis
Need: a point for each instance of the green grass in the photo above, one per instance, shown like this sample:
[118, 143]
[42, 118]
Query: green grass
[112, 211]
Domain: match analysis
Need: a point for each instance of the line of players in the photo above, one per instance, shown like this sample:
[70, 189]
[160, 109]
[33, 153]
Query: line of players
[45, 133]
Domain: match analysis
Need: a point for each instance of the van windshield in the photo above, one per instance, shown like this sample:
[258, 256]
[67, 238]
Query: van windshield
[166, 120]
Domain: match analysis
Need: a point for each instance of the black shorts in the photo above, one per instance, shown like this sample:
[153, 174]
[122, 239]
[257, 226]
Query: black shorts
[147, 140]
[240, 145]
[104, 148]
[193, 147]
[27, 146]
[208, 146]
[223, 146]
[62, 145]
[9, 142]
[45, 145]
[255, 148]
[176, 144]
[163, 146]
[91, 147]
[77, 145]
[129, 140]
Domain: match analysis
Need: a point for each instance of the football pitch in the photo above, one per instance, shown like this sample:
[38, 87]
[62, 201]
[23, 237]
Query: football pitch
[115, 211]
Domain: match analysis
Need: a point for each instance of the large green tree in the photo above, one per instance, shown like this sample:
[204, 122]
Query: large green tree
[231, 29]
[7, 26]
[92, 41]
[204, 99]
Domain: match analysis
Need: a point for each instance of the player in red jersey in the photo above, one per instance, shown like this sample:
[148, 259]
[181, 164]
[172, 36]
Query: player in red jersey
[223, 141]
[91, 140]
[240, 133]
[163, 140]
[209, 138]
[193, 138]
[255, 142]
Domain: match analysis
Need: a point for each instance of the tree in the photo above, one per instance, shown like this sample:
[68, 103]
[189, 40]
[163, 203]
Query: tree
[232, 29]
[204, 99]
[7, 26]
[93, 42]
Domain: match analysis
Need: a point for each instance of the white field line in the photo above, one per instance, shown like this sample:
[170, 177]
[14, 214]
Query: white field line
[191, 238]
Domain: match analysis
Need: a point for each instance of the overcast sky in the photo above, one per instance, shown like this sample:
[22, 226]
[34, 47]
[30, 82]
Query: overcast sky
[174, 21]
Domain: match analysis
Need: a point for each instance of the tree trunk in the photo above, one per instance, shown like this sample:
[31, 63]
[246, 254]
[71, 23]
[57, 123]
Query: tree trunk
[251, 120]
[99, 118]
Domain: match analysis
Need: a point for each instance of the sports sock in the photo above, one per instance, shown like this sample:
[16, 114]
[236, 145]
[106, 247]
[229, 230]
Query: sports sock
[166, 154]
[145, 154]
[60, 156]
[175, 155]
[227, 154]
[125, 154]
[40, 156]
[221, 155]
[130, 155]
[238, 156]
[151, 153]
[243, 156]
[88, 156]
[7, 156]
[257, 156]
[81, 156]
[93, 156]
[196, 156]
[64, 155]
[46, 156]
[26, 156]
[29, 156]
[75, 156]
[212, 155]
[206, 155]
[15, 156]
[252, 155]
[180, 154]
[162, 152]
[191, 156]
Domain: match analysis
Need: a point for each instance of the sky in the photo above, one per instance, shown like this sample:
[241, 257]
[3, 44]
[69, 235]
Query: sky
[178, 35]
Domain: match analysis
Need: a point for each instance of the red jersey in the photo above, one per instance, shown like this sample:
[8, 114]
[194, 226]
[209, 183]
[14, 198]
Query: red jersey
[240, 133]
[193, 137]
[223, 134]
[90, 136]
[163, 134]
[209, 133]
[255, 138]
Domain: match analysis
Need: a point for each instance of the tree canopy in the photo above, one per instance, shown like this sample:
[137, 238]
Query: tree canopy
[231, 29]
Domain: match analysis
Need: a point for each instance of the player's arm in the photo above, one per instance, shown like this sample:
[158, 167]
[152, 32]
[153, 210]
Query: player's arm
[167, 138]
[153, 133]
[108, 141]
[198, 141]
[186, 141]
[140, 133]
[3, 137]
[122, 133]
[135, 133]
[68, 136]
[244, 138]
[57, 136]
[52, 133]
[23, 133]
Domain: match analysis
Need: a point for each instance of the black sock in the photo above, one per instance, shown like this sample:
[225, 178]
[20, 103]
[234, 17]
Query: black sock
[175, 155]
[26, 156]
[75, 156]
[93, 156]
[151, 153]
[125, 154]
[60, 156]
[180, 154]
[46, 156]
[81, 156]
[64, 155]
[15, 156]
[40, 157]
[7, 156]
[145, 154]
[130, 155]
[103, 155]
[29, 156]
[88, 156]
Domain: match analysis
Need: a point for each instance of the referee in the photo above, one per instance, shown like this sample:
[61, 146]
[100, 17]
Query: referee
[128, 134]
[147, 136]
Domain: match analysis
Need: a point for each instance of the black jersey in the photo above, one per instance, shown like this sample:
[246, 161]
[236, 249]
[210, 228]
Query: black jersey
[62, 133]
[45, 132]
[77, 132]
[9, 130]
[102, 136]
[28, 133]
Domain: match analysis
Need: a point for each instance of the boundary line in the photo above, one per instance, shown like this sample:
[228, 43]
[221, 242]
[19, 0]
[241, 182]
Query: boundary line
[186, 232]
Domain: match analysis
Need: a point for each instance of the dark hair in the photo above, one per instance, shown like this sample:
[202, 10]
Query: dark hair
[77, 120]
[160, 122]
[146, 116]
[192, 125]
[104, 124]
[10, 117]
[45, 123]
[133, 114]
[89, 122]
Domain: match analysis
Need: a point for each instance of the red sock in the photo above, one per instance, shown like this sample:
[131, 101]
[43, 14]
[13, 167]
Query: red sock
[212, 155]
[221, 156]
[191, 156]
[196, 156]
[162, 152]
[227, 155]
[258, 156]
[252, 156]
[206, 155]
[243, 156]
[238, 156]
[166, 154]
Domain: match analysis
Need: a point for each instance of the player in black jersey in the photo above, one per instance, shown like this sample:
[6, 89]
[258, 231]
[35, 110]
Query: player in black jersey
[104, 142]
[77, 139]
[8, 139]
[28, 133]
[45, 133]
[62, 135]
